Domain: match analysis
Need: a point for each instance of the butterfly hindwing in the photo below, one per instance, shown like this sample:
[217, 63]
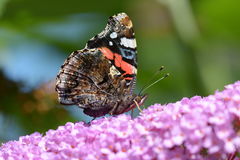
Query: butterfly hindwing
[101, 77]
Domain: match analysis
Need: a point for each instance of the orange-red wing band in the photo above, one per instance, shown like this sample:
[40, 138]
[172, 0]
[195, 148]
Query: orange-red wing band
[126, 67]
[118, 61]
[107, 53]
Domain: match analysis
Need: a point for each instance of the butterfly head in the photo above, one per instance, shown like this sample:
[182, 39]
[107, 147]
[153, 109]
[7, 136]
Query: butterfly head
[137, 102]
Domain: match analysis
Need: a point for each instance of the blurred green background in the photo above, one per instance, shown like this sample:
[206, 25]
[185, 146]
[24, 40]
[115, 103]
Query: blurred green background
[197, 41]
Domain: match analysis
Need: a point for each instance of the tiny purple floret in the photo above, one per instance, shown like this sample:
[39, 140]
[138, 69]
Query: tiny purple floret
[194, 128]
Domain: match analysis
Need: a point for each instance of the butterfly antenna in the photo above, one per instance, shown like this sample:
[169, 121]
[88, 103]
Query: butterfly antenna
[148, 86]
[155, 74]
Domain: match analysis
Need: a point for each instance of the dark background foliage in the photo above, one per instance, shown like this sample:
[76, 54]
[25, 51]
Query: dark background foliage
[196, 40]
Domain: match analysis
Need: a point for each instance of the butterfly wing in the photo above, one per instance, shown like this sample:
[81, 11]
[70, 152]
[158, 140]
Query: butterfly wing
[101, 77]
[118, 44]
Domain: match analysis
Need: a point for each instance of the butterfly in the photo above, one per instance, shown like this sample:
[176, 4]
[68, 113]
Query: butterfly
[101, 78]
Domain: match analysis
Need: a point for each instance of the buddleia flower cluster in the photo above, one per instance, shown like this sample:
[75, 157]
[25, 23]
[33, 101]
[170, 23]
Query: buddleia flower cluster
[194, 128]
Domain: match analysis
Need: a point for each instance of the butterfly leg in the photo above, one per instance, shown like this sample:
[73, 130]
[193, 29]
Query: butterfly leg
[137, 105]
[89, 123]
[132, 111]
[132, 116]
[113, 110]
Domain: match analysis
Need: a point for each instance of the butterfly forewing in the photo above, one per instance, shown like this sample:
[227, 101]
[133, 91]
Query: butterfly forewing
[100, 78]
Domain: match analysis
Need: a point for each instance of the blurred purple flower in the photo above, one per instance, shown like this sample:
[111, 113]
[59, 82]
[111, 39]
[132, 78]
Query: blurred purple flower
[197, 128]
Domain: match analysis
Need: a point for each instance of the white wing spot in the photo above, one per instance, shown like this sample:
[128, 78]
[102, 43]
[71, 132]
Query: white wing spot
[134, 70]
[131, 43]
[110, 43]
[113, 35]
[114, 71]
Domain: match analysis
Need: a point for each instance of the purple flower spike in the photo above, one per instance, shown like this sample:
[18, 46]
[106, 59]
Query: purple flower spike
[194, 128]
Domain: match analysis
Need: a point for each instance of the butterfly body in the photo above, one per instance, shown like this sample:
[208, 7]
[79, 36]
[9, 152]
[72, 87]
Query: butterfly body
[101, 77]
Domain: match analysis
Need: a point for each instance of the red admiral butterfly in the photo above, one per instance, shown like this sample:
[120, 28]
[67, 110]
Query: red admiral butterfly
[101, 77]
